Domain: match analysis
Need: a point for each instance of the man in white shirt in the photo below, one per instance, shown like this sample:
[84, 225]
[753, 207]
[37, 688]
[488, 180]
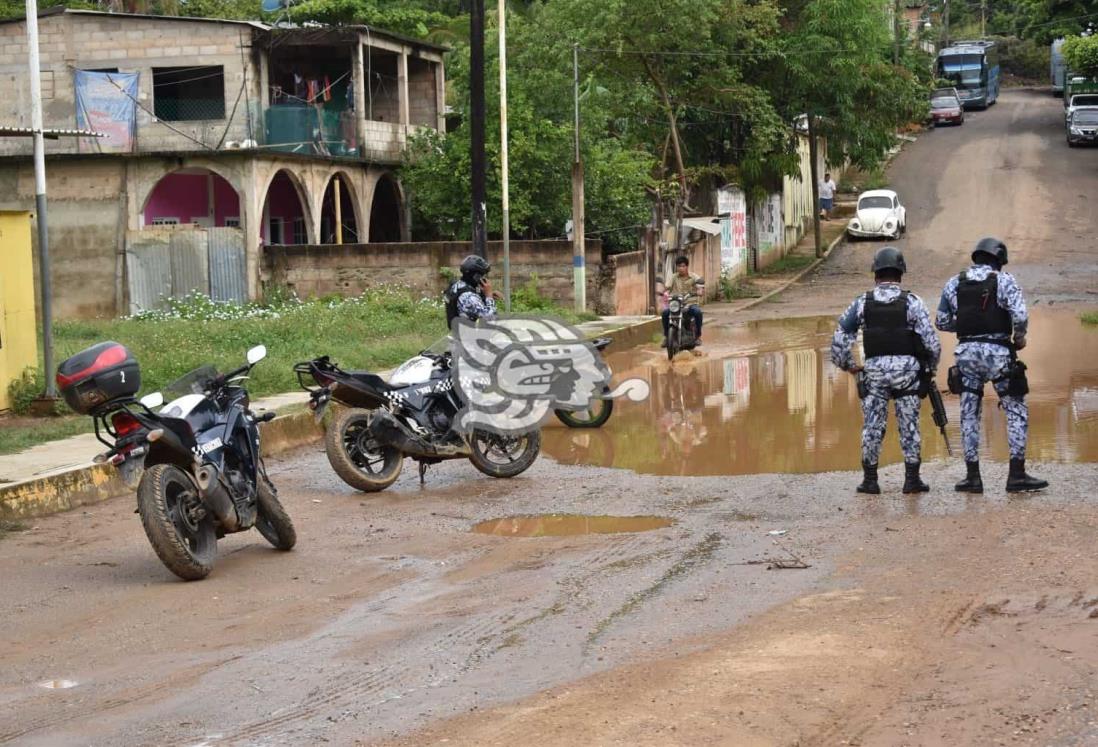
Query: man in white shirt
[827, 196]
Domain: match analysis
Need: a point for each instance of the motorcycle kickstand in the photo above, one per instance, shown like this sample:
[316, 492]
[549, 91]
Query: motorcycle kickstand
[422, 472]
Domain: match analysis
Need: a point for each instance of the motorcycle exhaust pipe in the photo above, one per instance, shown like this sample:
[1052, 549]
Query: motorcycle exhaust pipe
[216, 497]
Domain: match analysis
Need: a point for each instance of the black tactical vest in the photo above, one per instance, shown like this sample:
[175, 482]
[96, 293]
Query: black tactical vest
[453, 293]
[979, 314]
[886, 328]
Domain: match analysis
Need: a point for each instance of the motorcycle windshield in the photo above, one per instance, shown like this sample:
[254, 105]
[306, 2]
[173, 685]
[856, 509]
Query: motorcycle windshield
[440, 346]
[195, 382]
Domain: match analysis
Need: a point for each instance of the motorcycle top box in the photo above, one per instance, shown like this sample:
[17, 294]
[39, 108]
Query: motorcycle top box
[97, 375]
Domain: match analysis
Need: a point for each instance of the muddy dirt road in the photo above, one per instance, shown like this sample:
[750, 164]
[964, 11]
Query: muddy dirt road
[942, 619]
[1006, 172]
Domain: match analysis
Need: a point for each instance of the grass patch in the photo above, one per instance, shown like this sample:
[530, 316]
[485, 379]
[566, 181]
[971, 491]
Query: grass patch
[376, 330]
[733, 290]
[27, 432]
[1089, 317]
[790, 263]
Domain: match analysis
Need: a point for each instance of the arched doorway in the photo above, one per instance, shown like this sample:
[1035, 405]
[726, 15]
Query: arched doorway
[192, 196]
[285, 220]
[386, 212]
[338, 218]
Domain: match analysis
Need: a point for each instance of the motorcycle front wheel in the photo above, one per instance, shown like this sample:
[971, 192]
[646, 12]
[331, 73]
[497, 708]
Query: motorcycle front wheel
[504, 456]
[272, 521]
[593, 417]
[672, 342]
[358, 459]
[179, 529]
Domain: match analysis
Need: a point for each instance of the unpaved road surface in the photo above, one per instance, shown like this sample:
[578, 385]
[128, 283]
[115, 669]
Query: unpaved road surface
[942, 619]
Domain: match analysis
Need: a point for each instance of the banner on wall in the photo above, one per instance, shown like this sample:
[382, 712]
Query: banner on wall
[107, 103]
[732, 207]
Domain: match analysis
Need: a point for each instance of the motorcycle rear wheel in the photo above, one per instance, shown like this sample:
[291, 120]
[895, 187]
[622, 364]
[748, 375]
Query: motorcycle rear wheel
[359, 461]
[167, 499]
[272, 521]
[514, 454]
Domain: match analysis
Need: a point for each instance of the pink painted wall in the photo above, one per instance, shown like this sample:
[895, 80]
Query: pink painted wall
[186, 197]
[282, 202]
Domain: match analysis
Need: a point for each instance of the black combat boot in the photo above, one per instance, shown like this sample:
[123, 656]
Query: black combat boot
[869, 479]
[972, 482]
[1019, 482]
[912, 483]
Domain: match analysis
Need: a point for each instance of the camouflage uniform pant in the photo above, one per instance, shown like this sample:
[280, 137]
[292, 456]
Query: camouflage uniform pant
[883, 386]
[980, 363]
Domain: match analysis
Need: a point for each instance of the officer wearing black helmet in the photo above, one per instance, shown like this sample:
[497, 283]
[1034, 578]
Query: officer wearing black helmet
[985, 308]
[472, 296]
[899, 341]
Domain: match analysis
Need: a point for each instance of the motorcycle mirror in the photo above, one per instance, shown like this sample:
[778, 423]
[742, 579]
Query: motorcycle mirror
[256, 354]
[152, 400]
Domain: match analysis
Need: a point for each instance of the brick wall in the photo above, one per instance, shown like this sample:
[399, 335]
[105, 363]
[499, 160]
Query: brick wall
[623, 284]
[421, 93]
[351, 268]
[94, 41]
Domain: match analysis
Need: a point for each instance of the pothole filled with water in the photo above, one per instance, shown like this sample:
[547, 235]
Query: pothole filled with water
[569, 525]
[765, 398]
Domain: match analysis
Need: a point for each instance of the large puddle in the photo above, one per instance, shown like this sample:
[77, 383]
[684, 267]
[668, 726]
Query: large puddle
[569, 525]
[766, 398]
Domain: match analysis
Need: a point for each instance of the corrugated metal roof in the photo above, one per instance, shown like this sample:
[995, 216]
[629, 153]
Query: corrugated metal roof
[709, 224]
[51, 134]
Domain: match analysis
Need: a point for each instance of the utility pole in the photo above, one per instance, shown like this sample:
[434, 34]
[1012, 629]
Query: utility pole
[812, 155]
[945, 23]
[40, 198]
[476, 125]
[579, 247]
[896, 32]
[983, 18]
[503, 164]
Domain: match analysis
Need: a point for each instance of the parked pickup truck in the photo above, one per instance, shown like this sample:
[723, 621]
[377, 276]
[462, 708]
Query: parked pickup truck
[1076, 84]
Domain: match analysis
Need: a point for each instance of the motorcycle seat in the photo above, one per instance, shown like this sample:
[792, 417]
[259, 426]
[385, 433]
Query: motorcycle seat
[372, 380]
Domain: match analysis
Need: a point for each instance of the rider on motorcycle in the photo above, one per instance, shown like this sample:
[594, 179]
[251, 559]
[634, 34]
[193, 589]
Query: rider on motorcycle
[690, 286]
[472, 296]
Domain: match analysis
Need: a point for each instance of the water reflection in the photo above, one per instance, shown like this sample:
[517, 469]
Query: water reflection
[766, 398]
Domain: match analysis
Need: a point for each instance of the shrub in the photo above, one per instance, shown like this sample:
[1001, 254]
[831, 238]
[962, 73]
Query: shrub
[1023, 58]
[24, 390]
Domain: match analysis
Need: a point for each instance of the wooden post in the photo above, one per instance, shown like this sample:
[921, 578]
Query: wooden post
[337, 198]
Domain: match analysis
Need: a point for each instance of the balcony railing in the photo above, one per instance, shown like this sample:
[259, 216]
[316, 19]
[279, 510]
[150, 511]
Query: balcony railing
[313, 130]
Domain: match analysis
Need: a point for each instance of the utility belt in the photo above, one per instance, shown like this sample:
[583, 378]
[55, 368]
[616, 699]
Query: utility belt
[921, 388]
[1015, 375]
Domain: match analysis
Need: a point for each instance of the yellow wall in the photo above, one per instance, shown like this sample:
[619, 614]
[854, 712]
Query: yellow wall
[18, 328]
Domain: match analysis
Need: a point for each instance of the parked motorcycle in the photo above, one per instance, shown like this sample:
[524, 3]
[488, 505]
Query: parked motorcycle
[408, 416]
[599, 410]
[195, 464]
[680, 328]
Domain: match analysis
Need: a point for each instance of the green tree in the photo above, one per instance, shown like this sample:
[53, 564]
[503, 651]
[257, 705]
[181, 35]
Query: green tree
[837, 72]
[1081, 54]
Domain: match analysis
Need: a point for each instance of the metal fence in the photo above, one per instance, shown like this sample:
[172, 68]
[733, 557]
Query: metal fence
[172, 262]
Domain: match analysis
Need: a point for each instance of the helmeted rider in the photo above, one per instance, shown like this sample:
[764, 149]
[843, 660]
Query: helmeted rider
[472, 296]
[899, 340]
[984, 306]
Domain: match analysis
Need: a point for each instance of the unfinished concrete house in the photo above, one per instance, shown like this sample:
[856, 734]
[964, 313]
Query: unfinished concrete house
[222, 138]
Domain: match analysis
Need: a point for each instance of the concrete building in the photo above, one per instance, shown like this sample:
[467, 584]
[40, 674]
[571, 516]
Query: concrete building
[223, 137]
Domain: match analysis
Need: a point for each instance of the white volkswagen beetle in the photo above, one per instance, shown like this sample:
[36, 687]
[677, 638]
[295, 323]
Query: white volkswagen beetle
[879, 214]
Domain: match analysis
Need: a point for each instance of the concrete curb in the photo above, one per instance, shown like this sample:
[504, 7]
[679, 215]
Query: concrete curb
[784, 287]
[94, 483]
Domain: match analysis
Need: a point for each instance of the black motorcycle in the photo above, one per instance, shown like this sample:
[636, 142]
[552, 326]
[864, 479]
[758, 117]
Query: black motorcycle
[409, 416]
[196, 462]
[680, 328]
[598, 410]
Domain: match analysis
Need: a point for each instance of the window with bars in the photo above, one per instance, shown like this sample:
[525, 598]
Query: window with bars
[182, 94]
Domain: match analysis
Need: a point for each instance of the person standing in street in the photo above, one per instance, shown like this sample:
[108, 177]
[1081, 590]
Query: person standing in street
[900, 342]
[827, 195]
[984, 306]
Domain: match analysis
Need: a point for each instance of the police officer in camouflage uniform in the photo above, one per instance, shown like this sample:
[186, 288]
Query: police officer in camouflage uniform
[984, 307]
[900, 342]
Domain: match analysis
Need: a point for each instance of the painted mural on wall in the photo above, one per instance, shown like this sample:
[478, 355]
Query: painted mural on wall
[732, 207]
[106, 102]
